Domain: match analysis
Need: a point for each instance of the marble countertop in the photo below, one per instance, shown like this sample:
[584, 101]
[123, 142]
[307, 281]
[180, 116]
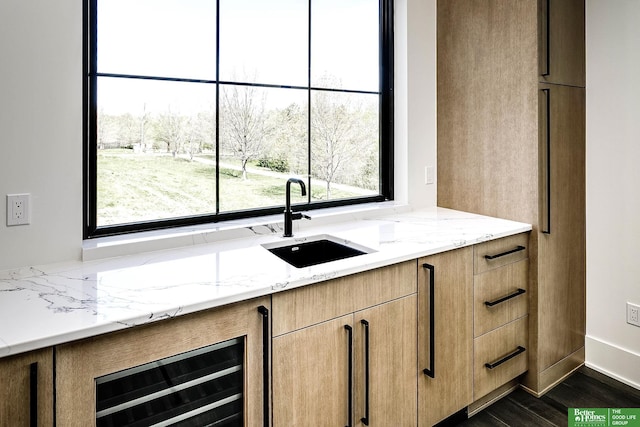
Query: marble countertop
[53, 304]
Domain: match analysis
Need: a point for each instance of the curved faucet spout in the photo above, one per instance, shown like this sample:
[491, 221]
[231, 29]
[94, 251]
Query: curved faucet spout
[288, 216]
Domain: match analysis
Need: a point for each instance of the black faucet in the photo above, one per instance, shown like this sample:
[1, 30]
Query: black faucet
[288, 215]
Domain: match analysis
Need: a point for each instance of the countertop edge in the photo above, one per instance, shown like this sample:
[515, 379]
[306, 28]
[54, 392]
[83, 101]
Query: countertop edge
[415, 252]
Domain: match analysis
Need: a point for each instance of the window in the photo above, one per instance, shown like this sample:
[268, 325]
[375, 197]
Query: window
[199, 110]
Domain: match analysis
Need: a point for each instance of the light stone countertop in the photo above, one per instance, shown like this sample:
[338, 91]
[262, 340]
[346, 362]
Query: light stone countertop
[48, 305]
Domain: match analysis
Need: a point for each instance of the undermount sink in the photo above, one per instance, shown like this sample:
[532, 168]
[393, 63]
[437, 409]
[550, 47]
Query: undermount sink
[308, 251]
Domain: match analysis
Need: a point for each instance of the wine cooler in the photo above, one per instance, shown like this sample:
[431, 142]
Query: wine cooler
[202, 387]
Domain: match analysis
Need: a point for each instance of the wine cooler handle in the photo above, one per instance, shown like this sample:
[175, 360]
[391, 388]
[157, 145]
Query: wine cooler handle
[266, 339]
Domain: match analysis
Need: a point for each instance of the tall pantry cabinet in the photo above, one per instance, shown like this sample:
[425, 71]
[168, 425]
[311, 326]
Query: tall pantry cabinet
[511, 144]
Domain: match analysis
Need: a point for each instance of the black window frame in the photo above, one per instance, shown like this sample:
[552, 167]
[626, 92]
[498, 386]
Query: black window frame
[90, 75]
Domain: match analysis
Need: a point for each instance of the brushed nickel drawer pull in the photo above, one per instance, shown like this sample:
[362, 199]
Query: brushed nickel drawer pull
[516, 249]
[520, 291]
[509, 356]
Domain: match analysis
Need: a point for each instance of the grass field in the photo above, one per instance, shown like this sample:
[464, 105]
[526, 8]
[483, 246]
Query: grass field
[142, 187]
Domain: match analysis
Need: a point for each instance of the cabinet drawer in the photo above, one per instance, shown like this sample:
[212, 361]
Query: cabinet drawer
[308, 305]
[500, 296]
[496, 253]
[499, 356]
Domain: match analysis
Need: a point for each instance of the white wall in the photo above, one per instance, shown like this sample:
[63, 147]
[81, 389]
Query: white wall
[613, 186]
[40, 128]
[41, 121]
[415, 100]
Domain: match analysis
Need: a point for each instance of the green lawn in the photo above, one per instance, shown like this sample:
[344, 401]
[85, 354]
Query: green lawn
[138, 187]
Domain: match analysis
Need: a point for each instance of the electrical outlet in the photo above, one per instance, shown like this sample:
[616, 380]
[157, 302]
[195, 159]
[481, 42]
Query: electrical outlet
[633, 314]
[428, 175]
[18, 209]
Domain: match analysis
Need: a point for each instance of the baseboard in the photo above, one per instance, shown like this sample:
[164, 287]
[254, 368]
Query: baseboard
[613, 361]
[492, 397]
[556, 373]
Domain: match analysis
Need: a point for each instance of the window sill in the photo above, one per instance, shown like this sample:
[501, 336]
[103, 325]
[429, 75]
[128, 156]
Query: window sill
[113, 246]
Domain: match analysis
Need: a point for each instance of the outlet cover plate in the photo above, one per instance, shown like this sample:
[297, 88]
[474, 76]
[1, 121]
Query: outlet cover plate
[633, 314]
[18, 209]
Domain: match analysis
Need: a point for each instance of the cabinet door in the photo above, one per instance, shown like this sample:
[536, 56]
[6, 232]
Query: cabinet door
[448, 386]
[562, 42]
[561, 250]
[26, 389]
[79, 364]
[385, 364]
[311, 375]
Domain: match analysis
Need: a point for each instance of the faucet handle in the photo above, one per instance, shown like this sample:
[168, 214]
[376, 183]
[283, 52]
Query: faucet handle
[299, 215]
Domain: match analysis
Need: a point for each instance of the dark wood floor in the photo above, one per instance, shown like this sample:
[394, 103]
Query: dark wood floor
[584, 389]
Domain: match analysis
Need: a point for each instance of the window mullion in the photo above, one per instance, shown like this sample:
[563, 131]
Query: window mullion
[217, 115]
[309, 106]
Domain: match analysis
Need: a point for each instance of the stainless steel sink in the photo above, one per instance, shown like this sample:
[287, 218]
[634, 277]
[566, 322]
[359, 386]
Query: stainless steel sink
[304, 252]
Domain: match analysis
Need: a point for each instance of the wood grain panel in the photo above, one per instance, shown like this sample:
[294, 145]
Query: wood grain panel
[491, 131]
[497, 284]
[309, 305]
[310, 375]
[15, 388]
[562, 253]
[492, 347]
[392, 363]
[499, 246]
[487, 126]
[566, 42]
[79, 363]
[451, 389]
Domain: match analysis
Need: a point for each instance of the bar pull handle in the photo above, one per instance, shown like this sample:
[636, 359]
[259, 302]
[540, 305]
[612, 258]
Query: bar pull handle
[509, 356]
[506, 298]
[349, 330]
[431, 370]
[266, 339]
[545, 155]
[365, 419]
[33, 394]
[516, 249]
[545, 57]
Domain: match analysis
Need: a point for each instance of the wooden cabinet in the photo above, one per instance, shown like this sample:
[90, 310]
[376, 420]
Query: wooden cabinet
[445, 335]
[26, 389]
[511, 145]
[562, 42]
[500, 312]
[345, 350]
[80, 364]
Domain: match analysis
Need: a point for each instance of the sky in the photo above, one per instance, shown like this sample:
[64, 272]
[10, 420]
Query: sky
[260, 42]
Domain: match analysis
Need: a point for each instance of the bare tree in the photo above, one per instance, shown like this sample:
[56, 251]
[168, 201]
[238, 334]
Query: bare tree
[243, 122]
[336, 136]
[169, 130]
[288, 142]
